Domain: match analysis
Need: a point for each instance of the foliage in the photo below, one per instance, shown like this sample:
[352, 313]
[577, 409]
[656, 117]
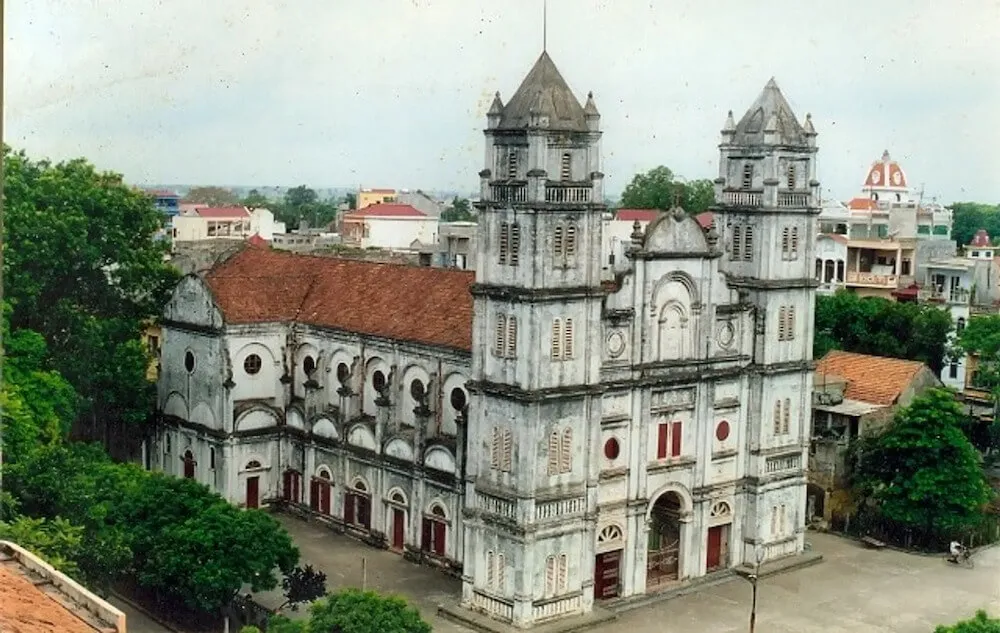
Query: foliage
[84, 271]
[459, 211]
[969, 217]
[659, 189]
[303, 204]
[351, 200]
[923, 472]
[302, 584]
[981, 338]
[871, 325]
[255, 199]
[212, 196]
[982, 623]
[58, 541]
[355, 611]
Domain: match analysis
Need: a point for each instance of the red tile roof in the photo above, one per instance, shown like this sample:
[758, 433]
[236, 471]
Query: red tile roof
[425, 305]
[387, 210]
[256, 240]
[162, 193]
[862, 204]
[705, 219]
[222, 212]
[631, 215]
[378, 191]
[981, 238]
[871, 379]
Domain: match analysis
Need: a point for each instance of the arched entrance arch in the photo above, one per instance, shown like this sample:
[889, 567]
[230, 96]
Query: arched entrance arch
[663, 558]
[189, 464]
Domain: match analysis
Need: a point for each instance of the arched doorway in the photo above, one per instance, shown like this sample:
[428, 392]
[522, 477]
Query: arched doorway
[435, 530]
[189, 464]
[815, 502]
[319, 491]
[663, 557]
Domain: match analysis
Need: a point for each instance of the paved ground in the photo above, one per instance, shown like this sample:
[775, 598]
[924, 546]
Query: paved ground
[853, 590]
[136, 621]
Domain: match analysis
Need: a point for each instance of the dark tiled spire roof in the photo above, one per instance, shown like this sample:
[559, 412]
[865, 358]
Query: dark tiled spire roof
[770, 113]
[544, 92]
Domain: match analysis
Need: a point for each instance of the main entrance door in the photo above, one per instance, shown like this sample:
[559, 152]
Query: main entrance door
[717, 551]
[663, 556]
[398, 528]
[606, 571]
[253, 484]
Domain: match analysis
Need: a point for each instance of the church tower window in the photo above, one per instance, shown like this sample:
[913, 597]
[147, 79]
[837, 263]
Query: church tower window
[512, 163]
[515, 244]
[777, 417]
[737, 247]
[511, 346]
[747, 176]
[748, 244]
[504, 246]
[791, 176]
[786, 416]
[562, 339]
[785, 242]
[794, 247]
[564, 171]
[556, 350]
[570, 240]
[500, 449]
[505, 337]
[501, 333]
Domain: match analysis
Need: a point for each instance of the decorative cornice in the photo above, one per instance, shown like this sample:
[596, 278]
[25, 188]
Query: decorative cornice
[535, 295]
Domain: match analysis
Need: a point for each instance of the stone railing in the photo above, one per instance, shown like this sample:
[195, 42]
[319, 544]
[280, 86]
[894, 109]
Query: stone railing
[794, 200]
[782, 548]
[781, 464]
[493, 505]
[555, 608]
[743, 198]
[563, 507]
[955, 295]
[509, 193]
[872, 279]
[497, 608]
[568, 194]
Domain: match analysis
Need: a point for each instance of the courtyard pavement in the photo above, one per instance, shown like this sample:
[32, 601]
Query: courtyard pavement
[853, 590]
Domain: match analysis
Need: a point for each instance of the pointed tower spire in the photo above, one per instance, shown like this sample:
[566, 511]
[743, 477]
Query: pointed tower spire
[730, 125]
[557, 103]
[591, 114]
[495, 113]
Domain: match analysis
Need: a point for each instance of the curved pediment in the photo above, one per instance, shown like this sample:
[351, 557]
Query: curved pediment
[440, 459]
[324, 427]
[676, 234]
[400, 449]
[361, 435]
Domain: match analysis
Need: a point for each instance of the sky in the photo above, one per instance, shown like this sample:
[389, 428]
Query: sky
[393, 93]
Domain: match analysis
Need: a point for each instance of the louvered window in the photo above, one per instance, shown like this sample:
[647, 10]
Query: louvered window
[515, 244]
[512, 163]
[564, 172]
[550, 576]
[570, 240]
[782, 317]
[557, 241]
[737, 247]
[554, 453]
[511, 347]
[562, 574]
[791, 176]
[556, 339]
[566, 452]
[786, 416]
[782, 520]
[795, 243]
[501, 333]
[501, 572]
[747, 176]
[507, 450]
[496, 448]
[567, 350]
[491, 578]
[784, 243]
[504, 241]
[777, 417]
[774, 521]
[748, 244]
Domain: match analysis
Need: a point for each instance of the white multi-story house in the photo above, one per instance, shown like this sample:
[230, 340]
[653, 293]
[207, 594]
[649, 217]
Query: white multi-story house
[558, 437]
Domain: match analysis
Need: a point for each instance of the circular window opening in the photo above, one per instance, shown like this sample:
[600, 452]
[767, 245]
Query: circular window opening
[343, 372]
[378, 380]
[458, 400]
[252, 364]
[189, 362]
[611, 448]
[309, 365]
[722, 431]
[417, 390]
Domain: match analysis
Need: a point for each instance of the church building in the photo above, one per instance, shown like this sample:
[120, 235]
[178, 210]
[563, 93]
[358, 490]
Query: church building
[554, 433]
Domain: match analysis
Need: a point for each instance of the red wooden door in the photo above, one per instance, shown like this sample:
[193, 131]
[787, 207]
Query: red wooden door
[314, 497]
[440, 530]
[349, 501]
[714, 556]
[324, 497]
[188, 468]
[606, 570]
[398, 528]
[286, 492]
[253, 484]
[364, 512]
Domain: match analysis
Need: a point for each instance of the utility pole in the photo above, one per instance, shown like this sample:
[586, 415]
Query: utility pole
[753, 578]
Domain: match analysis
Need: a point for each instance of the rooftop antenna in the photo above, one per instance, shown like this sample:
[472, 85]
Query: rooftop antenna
[545, 24]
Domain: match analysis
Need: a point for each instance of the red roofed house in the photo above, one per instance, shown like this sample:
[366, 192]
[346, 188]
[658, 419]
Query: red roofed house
[388, 225]
[853, 395]
[205, 223]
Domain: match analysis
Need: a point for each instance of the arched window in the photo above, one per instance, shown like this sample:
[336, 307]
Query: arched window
[515, 244]
[748, 244]
[567, 350]
[786, 416]
[570, 240]
[564, 171]
[791, 176]
[557, 339]
[435, 531]
[782, 316]
[959, 325]
[511, 347]
[211, 458]
[819, 269]
[747, 176]
[794, 244]
[784, 243]
[737, 246]
[777, 417]
[501, 332]
[252, 464]
[554, 452]
[512, 163]
[566, 451]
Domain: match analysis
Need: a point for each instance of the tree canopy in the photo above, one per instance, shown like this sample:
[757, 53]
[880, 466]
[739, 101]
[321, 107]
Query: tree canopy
[84, 270]
[922, 472]
[981, 623]
[355, 611]
[212, 196]
[459, 211]
[300, 204]
[871, 325]
[659, 188]
[969, 217]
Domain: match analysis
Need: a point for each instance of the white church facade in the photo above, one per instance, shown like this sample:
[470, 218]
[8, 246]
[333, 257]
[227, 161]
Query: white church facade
[554, 436]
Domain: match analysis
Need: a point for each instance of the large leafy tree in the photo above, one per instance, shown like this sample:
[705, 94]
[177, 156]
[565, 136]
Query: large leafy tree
[659, 188]
[83, 270]
[923, 473]
[212, 196]
[969, 217]
[355, 611]
[981, 623]
[870, 325]
[459, 211]
[58, 541]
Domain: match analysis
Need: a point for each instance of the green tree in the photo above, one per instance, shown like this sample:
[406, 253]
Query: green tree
[969, 217]
[83, 270]
[871, 325]
[255, 199]
[459, 211]
[58, 541]
[922, 472]
[212, 196]
[660, 189]
[300, 585]
[982, 623]
[981, 338]
[352, 201]
[355, 611]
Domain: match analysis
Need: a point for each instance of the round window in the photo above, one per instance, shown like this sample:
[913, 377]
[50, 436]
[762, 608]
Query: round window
[189, 362]
[417, 390]
[722, 431]
[252, 364]
[378, 380]
[309, 365]
[611, 448]
[458, 400]
[343, 372]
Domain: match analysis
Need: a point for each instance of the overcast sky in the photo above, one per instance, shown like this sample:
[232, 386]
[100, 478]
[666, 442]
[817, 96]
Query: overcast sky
[393, 93]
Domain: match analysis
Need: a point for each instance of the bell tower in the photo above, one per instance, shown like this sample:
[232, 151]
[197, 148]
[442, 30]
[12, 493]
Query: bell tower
[767, 201]
[534, 415]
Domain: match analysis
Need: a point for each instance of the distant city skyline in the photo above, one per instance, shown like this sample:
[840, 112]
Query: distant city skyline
[394, 92]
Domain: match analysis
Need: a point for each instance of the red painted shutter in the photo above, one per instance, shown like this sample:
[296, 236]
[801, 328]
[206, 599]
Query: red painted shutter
[314, 495]
[286, 485]
[675, 440]
[425, 538]
[661, 445]
[439, 532]
[364, 516]
[325, 492]
[349, 508]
